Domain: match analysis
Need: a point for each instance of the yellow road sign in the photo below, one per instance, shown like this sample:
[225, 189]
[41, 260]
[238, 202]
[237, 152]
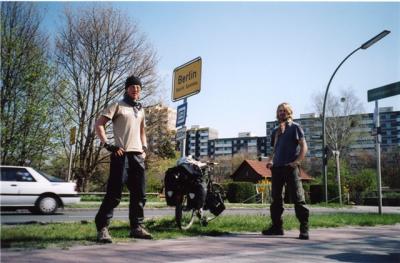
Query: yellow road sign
[262, 185]
[187, 79]
[72, 136]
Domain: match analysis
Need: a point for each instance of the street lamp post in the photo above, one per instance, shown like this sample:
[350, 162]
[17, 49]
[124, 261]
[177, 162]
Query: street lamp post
[324, 147]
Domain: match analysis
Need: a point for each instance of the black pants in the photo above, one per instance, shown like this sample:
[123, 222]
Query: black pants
[289, 176]
[127, 169]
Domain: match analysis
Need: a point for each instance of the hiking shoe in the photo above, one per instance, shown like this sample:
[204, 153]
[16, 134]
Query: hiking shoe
[140, 232]
[273, 231]
[103, 236]
[304, 232]
[304, 235]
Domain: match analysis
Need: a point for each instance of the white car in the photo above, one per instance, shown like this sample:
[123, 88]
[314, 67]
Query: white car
[25, 187]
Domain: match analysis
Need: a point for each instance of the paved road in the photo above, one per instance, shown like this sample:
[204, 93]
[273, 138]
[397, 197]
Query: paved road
[70, 215]
[349, 244]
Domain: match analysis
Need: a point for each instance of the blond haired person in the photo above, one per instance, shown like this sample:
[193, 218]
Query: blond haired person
[289, 149]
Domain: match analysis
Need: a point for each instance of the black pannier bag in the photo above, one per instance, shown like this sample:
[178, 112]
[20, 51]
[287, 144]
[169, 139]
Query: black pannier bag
[173, 185]
[214, 203]
[197, 195]
[196, 186]
[185, 179]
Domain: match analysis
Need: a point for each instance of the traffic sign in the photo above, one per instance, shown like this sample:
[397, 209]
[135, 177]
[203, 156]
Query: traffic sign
[376, 130]
[384, 92]
[186, 79]
[181, 115]
[72, 136]
[181, 133]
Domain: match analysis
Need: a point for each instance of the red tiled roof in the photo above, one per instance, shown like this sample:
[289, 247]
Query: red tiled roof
[260, 168]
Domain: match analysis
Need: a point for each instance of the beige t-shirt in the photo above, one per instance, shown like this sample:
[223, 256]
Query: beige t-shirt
[126, 125]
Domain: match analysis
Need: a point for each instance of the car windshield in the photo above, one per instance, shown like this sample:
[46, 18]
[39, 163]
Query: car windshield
[50, 177]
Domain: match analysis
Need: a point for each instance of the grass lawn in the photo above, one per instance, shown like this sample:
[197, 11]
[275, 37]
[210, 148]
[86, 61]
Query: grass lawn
[65, 235]
[163, 204]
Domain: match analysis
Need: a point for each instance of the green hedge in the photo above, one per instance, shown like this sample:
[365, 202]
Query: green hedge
[125, 198]
[239, 192]
[385, 201]
[317, 193]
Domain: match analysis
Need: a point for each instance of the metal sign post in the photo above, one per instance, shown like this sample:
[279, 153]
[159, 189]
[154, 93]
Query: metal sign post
[180, 121]
[186, 82]
[374, 95]
[378, 155]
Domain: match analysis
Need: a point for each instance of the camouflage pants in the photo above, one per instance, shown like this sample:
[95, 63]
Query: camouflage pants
[291, 177]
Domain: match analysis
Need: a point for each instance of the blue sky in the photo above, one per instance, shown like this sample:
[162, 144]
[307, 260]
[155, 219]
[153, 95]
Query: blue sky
[259, 54]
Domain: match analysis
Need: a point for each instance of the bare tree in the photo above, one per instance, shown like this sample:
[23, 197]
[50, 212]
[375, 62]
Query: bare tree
[97, 49]
[227, 165]
[223, 170]
[342, 117]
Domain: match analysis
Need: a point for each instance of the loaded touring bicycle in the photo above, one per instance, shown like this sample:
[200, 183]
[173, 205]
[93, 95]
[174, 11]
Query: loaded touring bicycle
[190, 189]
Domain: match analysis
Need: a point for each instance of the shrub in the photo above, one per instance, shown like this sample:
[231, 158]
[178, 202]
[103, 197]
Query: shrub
[391, 194]
[155, 172]
[239, 192]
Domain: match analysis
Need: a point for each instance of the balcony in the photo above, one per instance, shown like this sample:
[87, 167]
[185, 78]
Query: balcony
[362, 146]
[223, 152]
[229, 144]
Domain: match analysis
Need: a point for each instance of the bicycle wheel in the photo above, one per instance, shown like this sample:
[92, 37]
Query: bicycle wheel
[217, 188]
[214, 203]
[206, 217]
[184, 217]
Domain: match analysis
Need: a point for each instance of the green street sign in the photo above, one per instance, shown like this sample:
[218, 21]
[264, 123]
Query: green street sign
[384, 92]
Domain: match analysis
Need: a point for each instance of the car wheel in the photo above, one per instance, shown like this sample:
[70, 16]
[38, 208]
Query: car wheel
[47, 205]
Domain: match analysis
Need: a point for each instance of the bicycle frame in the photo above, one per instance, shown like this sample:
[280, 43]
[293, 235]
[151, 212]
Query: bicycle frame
[186, 215]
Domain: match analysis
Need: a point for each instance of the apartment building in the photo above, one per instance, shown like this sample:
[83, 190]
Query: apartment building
[197, 141]
[160, 123]
[204, 143]
[390, 126]
[163, 114]
[244, 143]
[364, 141]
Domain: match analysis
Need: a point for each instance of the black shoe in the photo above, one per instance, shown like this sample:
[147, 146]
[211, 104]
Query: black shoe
[273, 231]
[304, 232]
[304, 236]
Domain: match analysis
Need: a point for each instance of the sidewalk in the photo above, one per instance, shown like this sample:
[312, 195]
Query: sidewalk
[346, 244]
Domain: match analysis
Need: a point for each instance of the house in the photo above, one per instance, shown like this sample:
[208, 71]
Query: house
[253, 171]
